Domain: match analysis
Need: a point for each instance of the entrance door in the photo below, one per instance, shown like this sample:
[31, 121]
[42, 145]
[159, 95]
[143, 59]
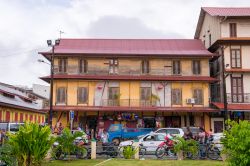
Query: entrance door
[217, 125]
[149, 122]
[172, 121]
[237, 89]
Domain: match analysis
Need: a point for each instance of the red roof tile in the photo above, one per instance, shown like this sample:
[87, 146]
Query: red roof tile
[124, 77]
[131, 47]
[133, 109]
[233, 106]
[227, 11]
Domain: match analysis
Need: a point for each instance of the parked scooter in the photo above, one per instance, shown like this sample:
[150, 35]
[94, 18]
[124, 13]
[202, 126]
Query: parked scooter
[166, 148]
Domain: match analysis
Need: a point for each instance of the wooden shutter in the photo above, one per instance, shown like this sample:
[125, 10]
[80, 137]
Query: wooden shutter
[7, 116]
[31, 118]
[198, 96]
[145, 66]
[196, 67]
[176, 96]
[21, 117]
[83, 66]
[16, 116]
[61, 95]
[176, 67]
[82, 95]
[1, 115]
[233, 29]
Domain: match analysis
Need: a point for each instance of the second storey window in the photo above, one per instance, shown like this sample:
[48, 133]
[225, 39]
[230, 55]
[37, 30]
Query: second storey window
[196, 67]
[176, 97]
[61, 95]
[233, 29]
[82, 95]
[62, 65]
[83, 66]
[235, 58]
[145, 66]
[145, 93]
[176, 67]
[113, 66]
[198, 96]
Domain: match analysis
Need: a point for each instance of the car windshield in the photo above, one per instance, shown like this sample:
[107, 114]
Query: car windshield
[140, 136]
[4, 126]
[14, 127]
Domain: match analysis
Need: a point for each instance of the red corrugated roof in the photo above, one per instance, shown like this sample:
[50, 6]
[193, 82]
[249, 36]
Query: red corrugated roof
[135, 78]
[227, 11]
[233, 106]
[131, 47]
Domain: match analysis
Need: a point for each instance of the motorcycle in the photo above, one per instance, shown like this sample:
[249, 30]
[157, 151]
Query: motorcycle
[166, 148]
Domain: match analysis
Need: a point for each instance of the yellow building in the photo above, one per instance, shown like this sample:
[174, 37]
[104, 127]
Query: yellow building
[17, 106]
[136, 82]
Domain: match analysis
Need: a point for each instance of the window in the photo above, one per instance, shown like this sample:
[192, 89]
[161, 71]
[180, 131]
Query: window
[113, 66]
[210, 39]
[176, 96]
[145, 93]
[61, 94]
[237, 89]
[233, 29]
[83, 66]
[196, 67]
[62, 63]
[198, 96]
[235, 58]
[114, 96]
[145, 67]
[176, 67]
[82, 95]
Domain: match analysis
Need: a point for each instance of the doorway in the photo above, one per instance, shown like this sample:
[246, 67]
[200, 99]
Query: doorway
[149, 122]
[172, 121]
[217, 125]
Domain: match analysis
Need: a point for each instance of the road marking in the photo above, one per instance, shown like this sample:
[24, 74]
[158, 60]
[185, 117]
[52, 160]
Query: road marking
[103, 162]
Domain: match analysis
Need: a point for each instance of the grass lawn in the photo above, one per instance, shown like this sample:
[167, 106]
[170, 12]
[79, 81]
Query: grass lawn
[120, 162]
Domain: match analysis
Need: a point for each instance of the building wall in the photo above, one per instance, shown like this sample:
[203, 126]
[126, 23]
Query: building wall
[243, 26]
[211, 25]
[98, 91]
[27, 115]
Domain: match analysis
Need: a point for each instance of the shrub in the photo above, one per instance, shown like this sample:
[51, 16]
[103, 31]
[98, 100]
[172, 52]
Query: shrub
[6, 155]
[129, 152]
[237, 143]
[31, 144]
[186, 146]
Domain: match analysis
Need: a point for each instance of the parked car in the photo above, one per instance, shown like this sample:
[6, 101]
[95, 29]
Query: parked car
[172, 131]
[194, 130]
[117, 133]
[10, 127]
[149, 141]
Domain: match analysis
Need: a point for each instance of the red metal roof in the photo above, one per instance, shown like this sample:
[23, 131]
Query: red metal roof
[131, 47]
[227, 11]
[133, 109]
[135, 78]
[233, 106]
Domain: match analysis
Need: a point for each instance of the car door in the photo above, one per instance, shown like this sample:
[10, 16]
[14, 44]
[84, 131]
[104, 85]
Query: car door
[148, 142]
[158, 139]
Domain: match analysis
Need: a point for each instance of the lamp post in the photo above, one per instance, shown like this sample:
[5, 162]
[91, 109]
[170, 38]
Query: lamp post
[50, 44]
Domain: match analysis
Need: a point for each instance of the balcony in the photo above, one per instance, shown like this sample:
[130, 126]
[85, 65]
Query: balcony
[128, 103]
[122, 70]
[245, 98]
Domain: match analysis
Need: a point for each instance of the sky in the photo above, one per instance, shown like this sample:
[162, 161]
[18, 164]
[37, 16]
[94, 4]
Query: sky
[27, 24]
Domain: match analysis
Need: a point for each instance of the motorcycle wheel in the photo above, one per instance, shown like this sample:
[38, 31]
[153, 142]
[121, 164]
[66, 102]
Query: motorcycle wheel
[160, 152]
[213, 154]
[142, 152]
[82, 153]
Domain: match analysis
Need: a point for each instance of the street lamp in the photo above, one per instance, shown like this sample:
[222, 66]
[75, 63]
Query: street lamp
[50, 44]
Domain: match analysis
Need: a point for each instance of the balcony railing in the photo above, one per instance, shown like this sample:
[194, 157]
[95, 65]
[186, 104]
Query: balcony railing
[129, 103]
[245, 98]
[122, 70]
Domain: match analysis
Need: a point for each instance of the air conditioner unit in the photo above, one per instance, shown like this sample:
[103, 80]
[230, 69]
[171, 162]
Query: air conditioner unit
[191, 101]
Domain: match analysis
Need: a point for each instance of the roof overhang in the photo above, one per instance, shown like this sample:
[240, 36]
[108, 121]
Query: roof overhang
[133, 109]
[134, 78]
[21, 108]
[233, 107]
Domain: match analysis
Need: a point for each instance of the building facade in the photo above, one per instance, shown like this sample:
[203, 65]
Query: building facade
[18, 106]
[136, 82]
[226, 32]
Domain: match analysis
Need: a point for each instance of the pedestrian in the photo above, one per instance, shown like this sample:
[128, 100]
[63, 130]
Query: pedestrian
[188, 134]
[60, 129]
[104, 136]
[201, 135]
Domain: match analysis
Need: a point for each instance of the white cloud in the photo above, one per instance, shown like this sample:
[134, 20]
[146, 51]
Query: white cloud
[26, 25]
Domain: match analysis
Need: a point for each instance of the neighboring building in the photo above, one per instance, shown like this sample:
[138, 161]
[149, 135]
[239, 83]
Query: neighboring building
[226, 32]
[19, 106]
[137, 82]
[41, 90]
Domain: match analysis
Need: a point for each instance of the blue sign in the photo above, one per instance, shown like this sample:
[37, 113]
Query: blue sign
[71, 114]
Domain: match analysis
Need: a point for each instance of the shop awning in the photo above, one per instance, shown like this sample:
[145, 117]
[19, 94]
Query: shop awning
[132, 109]
[233, 107]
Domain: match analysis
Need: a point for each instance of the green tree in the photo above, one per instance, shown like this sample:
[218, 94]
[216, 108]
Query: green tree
[31, 144]
[237, 143]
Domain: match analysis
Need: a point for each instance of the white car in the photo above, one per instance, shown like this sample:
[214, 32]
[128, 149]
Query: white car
[149, 141]
[217, 140]
[172, 131]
